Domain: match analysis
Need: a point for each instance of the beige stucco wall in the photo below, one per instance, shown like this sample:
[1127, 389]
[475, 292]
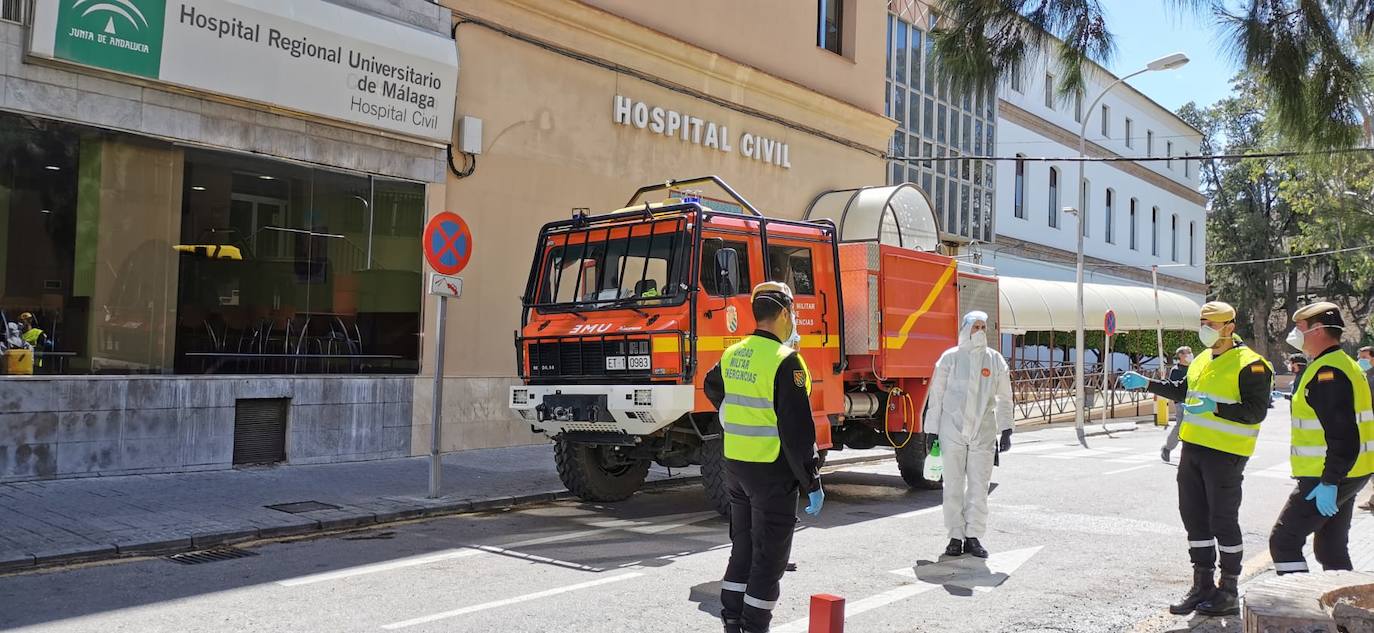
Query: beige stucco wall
[550, 144]
[778, 37]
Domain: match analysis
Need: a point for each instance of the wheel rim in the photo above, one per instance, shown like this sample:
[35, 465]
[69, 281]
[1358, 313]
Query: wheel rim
[603, 463]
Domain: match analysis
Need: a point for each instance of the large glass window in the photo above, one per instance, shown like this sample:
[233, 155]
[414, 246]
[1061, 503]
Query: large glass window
[138, 256]
[613, 267]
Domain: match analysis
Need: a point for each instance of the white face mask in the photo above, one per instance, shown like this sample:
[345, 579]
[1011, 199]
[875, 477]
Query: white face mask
[1365, 364]
[1208, 336]
[979, 338]
[793, 339]
[1296, 338]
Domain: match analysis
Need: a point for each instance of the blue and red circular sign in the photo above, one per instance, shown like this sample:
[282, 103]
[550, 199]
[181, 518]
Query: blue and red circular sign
[1109, 323]
[448, 243]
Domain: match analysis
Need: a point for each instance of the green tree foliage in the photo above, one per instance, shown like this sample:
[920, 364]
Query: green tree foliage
[1268, 208]
[1304, 54]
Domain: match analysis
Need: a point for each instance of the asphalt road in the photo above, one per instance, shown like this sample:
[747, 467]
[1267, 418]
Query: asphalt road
[1082, 540]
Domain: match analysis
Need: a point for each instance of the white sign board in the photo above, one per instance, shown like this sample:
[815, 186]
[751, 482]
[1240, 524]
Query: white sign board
[310, 56]
[445, 285]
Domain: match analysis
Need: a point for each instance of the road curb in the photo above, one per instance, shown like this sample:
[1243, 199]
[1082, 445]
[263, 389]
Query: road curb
[335, 521]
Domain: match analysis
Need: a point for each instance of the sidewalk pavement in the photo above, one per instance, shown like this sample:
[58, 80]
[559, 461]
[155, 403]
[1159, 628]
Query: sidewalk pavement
[48, 523]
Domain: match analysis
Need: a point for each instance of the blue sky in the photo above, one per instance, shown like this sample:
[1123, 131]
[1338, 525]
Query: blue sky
[1149, 29]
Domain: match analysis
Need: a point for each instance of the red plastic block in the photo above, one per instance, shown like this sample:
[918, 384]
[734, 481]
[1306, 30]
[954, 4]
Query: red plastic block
[827, 614]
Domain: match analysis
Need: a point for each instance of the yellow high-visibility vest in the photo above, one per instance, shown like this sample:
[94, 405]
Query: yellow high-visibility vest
[1219, 379]
[747, 417]
[1308, 454]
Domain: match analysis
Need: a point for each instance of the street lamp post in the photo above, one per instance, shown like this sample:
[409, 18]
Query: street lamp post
[1168, 62]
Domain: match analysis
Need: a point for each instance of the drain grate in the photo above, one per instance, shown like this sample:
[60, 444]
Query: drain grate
[210, 555]
[301, 506]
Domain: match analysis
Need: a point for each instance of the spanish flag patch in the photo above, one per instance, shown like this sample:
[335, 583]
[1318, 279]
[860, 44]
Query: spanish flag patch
[1257, 368]
[1325, 376]
[799, 377]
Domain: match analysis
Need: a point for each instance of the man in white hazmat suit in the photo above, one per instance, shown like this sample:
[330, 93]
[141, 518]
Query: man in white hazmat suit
[968, 406]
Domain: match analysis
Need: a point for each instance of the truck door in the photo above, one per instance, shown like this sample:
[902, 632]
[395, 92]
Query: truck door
[805, 266]
[723, 320]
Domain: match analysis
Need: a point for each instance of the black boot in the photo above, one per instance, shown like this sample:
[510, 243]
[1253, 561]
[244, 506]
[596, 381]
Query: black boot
[972, 546]
[955, 548]
[732, 625]
[1203, 588]
[1226, 600]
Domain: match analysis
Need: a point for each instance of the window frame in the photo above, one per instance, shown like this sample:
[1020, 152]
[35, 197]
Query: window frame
[1018, 206]
[1173, 238]
[1154, 231]
[1106, 121]
[21, 6]
[792, 250]
[1078, 106]
[1049, 91]
[1129, 124]
[1135, 224]
[1192, 239]
[1110, 210]
[1169, 154]
[822, 40]
[1149, 143]
[1053, 197]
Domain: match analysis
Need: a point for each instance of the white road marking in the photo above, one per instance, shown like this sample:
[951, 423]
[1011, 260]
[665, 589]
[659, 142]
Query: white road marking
[645, 526]
[509, 601]
[966, 573]
[1126, 470]
[360, 570]
[537, 559]
[907, 515]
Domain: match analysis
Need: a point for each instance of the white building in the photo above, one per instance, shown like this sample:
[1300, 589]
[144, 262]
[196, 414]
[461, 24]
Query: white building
[1138, 214]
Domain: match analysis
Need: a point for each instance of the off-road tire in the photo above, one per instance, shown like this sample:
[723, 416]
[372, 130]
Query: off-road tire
[580, 466]
[911, 461]
[713, 476]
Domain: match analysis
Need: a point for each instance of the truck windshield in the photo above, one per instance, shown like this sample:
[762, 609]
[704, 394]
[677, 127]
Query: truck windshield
[613, 267]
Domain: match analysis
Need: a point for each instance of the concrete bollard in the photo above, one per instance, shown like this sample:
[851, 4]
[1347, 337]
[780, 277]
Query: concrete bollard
[827, 614]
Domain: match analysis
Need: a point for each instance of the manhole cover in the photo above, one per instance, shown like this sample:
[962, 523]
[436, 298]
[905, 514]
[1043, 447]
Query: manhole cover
[301, 506]
[210, 555]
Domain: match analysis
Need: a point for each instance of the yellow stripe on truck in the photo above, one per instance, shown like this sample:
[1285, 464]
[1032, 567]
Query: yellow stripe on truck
[719, 343]
[899, 341]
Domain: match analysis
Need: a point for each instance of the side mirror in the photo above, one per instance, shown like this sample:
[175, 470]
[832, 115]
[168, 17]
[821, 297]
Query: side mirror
[727, 272]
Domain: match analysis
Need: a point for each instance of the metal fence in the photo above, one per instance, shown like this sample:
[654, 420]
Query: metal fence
[1046, 389]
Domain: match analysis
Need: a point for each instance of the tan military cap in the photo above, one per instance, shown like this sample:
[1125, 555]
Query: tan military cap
[772, 286]
[1323, 312]
[1218, 312]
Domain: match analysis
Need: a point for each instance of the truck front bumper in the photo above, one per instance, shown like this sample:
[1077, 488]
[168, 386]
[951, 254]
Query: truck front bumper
[629, 409]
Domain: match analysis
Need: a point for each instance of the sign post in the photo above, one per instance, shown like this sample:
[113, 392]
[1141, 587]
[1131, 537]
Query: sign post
[448, 247]
[1108, 331]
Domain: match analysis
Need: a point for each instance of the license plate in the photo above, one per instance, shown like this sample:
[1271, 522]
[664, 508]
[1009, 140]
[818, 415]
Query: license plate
[640, 363]
[615, 363]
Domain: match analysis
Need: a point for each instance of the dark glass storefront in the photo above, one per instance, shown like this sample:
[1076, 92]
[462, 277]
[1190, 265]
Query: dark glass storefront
[138, 256]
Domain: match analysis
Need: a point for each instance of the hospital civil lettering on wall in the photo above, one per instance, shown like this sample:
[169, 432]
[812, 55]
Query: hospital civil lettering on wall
[688, 128]
[128, 36]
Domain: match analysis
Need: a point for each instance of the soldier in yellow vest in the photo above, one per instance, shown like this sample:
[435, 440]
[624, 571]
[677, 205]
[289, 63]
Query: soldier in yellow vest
[1225, 396]
[35, 337]
[1333, 446]
[761, 389]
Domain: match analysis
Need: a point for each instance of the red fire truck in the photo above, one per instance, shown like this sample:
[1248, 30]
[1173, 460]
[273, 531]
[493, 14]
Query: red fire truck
[626, 312]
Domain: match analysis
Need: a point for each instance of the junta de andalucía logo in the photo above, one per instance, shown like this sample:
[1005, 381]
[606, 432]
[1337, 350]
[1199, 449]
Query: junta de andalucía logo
[119, 35]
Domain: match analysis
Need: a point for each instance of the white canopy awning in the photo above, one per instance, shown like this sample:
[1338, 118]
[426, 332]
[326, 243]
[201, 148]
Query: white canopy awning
[1035, 305]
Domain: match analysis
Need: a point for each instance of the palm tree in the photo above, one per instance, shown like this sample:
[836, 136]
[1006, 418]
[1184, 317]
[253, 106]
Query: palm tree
[1306, 54]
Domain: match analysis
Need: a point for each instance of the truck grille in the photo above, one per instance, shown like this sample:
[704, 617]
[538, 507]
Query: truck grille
[586, 357]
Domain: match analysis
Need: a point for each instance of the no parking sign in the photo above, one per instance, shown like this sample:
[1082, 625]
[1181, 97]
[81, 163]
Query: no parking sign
[448, 243]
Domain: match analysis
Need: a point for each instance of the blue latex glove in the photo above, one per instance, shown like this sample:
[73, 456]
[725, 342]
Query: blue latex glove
[1324, 495]
[1205, 405]
[1131, 380]
[1278, 395]
[817, 499]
